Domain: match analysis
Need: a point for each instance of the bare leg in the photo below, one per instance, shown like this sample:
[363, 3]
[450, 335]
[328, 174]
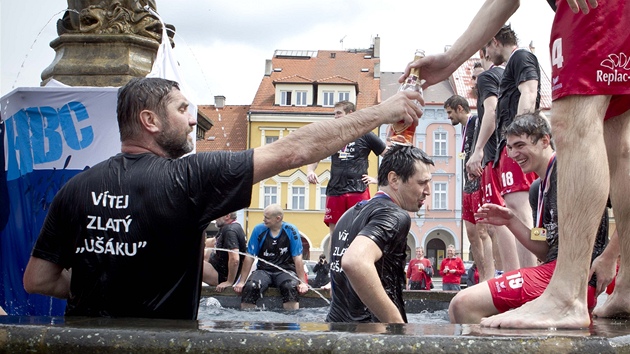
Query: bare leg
[471, 305]
[498, 264]
[481, 249]
[2, 312]
[506, 243]
[210, 275]
[486, 265]
[293, 305]
[331, 227]
[583, 187]
[617, 135]
[518, 202]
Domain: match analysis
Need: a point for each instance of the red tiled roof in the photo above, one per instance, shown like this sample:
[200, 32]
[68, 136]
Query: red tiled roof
[229, 128]
[293, 79]
[325, 66]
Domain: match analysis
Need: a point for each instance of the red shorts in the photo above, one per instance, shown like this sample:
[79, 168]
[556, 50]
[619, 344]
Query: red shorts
[470, 204]
[336, 205]
[511, 176]
[513, 289]
[589, 53]
[490, 187]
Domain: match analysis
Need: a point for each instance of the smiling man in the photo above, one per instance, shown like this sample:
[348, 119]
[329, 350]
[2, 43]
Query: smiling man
[529, 144]
[369, 243]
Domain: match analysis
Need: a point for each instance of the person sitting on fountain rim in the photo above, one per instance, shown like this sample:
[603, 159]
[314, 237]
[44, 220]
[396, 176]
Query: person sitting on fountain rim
[529, 144]
[223, 267]
[278, 247]
[369, 248]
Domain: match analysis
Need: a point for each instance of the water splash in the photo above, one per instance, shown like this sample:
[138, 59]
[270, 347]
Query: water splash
[273, 265]
[35, 41]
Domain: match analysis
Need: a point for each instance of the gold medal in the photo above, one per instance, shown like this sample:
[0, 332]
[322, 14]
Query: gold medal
[461, 155]
[538, 234]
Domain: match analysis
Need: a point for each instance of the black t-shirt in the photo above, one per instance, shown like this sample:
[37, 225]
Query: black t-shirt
[522, 66]
[488, 86]
[230, 236]
[277, 251]
[350, 164]
[550, 221]
[131, 228]
[387, 225]
[472, 127]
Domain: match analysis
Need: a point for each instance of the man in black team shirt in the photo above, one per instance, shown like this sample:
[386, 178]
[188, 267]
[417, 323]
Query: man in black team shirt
[519, 93]
[124, 238]
[369, 242]
[349, 180]
[223, 267]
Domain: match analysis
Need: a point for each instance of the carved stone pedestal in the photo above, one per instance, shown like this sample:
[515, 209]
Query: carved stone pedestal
[100, 60]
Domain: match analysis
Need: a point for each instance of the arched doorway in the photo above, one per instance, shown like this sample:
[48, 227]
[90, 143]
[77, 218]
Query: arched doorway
[435, 251]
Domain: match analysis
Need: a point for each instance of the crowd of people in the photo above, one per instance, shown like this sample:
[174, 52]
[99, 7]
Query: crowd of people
[523, 200]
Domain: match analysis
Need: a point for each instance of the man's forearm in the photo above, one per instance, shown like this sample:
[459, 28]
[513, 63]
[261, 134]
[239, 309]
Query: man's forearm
[486, 23]
[233, 262]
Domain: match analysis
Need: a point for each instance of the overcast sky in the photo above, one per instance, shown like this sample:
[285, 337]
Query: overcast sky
[222, 45]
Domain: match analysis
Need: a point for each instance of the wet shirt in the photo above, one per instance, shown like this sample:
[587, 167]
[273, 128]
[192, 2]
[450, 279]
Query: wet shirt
[550, 222]
[131, 228]
[278, 250]
[522, 66]
[472, 127]
[488, 86]
[387, 225]
[350, 164]
[230, 236]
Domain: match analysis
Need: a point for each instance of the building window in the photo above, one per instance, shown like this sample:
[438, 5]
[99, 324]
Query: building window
[439, 143]
[270, 139]
[344, 96]
[297, 198]
[439, 196]
[300, 98]
[322, 198]
[270, 196]
[329, 99]
[285, 100]
[201, 133]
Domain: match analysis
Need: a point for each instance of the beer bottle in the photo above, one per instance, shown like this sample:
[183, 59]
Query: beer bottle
[401, 132]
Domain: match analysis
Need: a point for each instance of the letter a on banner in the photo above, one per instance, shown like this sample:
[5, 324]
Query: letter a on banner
[167, 67]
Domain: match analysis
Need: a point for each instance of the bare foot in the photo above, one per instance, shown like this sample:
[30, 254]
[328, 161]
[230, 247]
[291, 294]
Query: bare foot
[616, 306]
[547, 311]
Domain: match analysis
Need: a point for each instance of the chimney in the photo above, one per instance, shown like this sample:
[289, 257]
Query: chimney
[377, 47]
[377, 70]
[219, 102]
[268, 67]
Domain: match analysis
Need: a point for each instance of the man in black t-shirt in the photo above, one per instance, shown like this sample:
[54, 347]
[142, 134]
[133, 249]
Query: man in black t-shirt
[519, 93]
[123, 238]
[369, 246]
[223, 267]
[349, 180]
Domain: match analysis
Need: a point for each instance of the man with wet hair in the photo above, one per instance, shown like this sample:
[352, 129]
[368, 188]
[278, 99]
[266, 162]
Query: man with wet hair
[369, 246]
[110, 229]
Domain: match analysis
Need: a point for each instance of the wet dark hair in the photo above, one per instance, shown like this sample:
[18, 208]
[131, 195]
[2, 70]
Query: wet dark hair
[457, 100]
[347, 106]
[506, 36]
[532, 124]
[137, 95]
[402, 160]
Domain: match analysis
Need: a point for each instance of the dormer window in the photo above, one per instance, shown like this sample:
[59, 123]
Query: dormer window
[344, 96]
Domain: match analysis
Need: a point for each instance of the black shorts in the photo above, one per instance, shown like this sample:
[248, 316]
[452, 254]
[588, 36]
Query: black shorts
[286, 282]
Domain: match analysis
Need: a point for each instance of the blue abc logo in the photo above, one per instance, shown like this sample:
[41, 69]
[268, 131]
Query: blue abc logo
[37, 135]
